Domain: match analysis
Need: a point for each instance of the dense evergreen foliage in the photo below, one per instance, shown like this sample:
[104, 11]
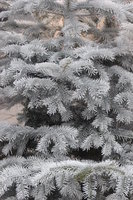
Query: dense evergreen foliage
[77, 93]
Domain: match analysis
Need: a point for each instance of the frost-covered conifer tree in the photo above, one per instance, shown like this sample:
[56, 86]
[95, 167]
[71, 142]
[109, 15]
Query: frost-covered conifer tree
[77, 96]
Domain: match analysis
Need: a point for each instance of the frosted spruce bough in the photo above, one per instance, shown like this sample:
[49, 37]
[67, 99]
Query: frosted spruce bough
[77, 92]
